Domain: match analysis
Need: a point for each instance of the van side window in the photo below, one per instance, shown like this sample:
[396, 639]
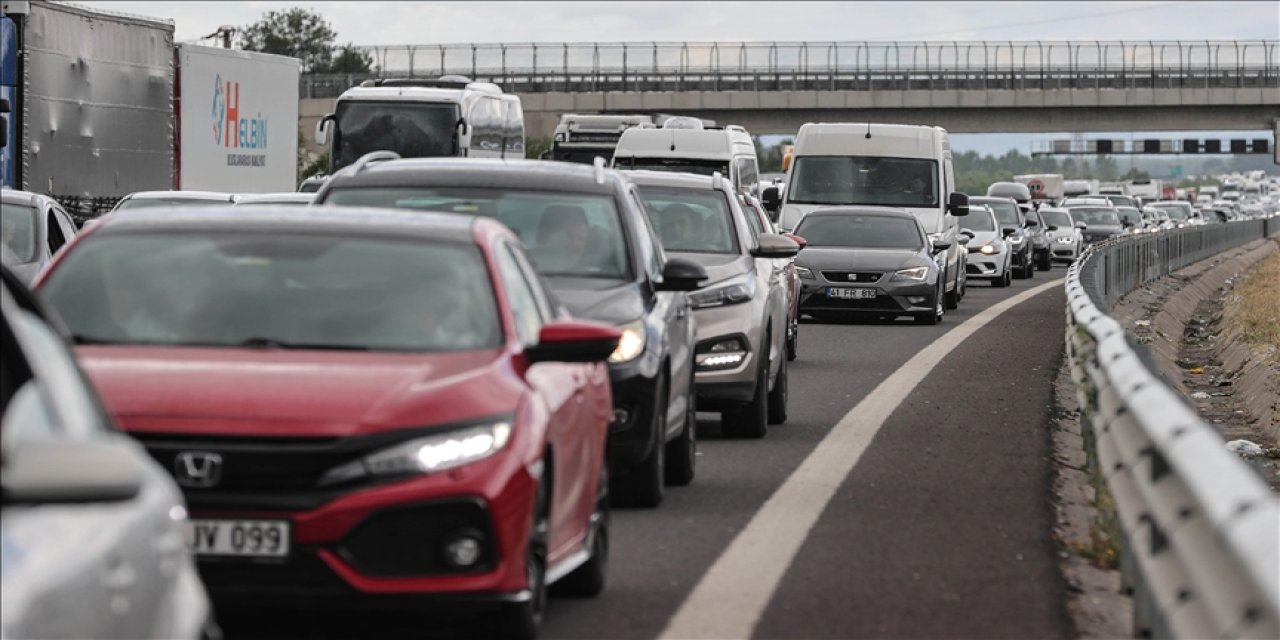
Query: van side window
[748, 175]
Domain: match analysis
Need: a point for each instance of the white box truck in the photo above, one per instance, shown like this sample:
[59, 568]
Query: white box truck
[907, 167]
[1043, 186]
[237, 117]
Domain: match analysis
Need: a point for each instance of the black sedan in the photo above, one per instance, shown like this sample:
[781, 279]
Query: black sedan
[868, 261]
[592, 243]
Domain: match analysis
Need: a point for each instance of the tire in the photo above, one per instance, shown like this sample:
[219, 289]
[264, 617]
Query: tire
[1005, 278]
[751, 420]
[793, 343]
[1029, 269]
[778, 397]
[644, 485]
[951, 298]
[1046, 262]
[588, 580]
[523, 620]
[682, 453]
[933, 317]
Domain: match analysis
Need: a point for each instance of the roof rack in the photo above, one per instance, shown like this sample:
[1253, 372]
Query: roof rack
[371, 157]
[443, 82]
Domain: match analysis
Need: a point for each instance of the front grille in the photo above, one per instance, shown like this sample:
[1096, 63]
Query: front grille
[575, 136]
[302, 573]
[852, 276]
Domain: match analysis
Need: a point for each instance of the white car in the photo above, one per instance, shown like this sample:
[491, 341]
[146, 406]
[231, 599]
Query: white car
[989, 254]
[1065, 238]
[32, 229]
[93, 529]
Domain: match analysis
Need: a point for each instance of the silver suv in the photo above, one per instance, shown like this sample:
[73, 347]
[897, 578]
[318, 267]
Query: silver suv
[742, 313]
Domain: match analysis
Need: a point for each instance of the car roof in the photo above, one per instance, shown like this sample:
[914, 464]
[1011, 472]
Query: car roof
[531, 175]
[674, 179]
[268, 198]
[14, 196]
[346, 221]
[189, 195]
[862, 210]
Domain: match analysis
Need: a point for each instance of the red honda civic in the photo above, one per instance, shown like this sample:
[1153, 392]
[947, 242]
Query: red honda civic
[365, 408]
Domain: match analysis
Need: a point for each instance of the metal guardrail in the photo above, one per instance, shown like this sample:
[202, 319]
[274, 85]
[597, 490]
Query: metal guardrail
[1201, 529]
[851, 66]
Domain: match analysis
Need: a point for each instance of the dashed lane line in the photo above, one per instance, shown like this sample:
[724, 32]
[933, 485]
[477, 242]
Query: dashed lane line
[732, 595]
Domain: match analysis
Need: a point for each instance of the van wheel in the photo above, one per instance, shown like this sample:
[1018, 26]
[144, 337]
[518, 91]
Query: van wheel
[751, 420]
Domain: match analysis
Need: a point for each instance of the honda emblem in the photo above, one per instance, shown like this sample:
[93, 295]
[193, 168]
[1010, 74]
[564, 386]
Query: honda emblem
[197, 468]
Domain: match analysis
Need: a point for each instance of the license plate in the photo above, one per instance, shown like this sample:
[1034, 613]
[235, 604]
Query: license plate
[851, 293]
[252, 538]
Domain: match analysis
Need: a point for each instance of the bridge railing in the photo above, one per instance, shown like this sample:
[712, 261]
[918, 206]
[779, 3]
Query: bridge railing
[1200, 528]
[762, 66]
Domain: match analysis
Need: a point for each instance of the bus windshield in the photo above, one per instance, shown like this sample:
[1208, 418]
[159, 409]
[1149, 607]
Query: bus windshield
[411, 129]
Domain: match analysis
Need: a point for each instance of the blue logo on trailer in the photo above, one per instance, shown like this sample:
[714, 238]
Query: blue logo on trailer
[9, 91]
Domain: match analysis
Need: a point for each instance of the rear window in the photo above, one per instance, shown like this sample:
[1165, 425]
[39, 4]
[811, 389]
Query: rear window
[18, 230]
[689, 220]
[1060, 219]
[867, 232]
[287, 290]
[567, 234]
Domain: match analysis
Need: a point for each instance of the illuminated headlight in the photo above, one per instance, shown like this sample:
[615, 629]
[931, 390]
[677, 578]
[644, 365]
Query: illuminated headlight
[805, 273]
[916, 274]
[429, 454]
[631, 344]
[1016, 239]
[739, 290]
[989, 249]
[1182, 225]
[1065, 239]
[726, 353]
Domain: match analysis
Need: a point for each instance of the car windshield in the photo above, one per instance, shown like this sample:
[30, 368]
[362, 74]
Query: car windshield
[18, 230]
[691, 220]
[171, 201]
[1059, 219]
[860, 231]
[677, 165]
[567, 234]
[895, 182]
[275, 289]
[980, 219]
[1096, 216]
[1129, 214]
[411, 129]
[1006, 212]
[1176, 211]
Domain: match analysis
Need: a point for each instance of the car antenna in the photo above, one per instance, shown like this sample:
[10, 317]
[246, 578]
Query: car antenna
[868, 131]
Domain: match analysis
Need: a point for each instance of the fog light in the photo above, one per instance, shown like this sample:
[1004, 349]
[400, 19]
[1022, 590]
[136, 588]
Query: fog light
[621, 416]
[917, 299]
[725, 353]
[464, 550]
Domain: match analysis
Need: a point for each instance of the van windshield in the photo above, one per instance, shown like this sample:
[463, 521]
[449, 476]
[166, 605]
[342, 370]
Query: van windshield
[893, 182]
[677, 165]
[411, 129]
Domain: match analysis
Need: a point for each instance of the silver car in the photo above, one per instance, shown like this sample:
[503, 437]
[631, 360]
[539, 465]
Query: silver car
[32, 229]
[286, 198]
[142, 199]
[1065, 237]
[93, 530]
[990, 256]
[742, 315]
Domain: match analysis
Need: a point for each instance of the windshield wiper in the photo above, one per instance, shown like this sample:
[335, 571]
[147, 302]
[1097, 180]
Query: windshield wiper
[272, 343]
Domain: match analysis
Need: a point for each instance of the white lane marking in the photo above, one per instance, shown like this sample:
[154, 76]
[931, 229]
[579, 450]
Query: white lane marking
[731, 596]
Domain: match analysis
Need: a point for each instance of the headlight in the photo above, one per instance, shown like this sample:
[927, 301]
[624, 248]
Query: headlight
[805, 273]
[737, 291]
[559, 137]
[1016, 239]
[990, 248]
[631, 344]
[1065, 239]
[915, 273]
[429, 454]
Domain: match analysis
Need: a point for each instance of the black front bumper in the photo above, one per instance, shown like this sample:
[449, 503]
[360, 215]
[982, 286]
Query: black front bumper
[631, 440]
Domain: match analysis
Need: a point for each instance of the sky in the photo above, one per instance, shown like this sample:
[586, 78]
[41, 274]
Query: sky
[397, 23]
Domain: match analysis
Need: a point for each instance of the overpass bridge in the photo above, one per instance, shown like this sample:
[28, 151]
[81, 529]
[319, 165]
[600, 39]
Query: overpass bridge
[774, 87]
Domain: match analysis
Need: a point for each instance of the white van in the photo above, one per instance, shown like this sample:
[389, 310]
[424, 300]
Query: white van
[893, 165]
[685, 145]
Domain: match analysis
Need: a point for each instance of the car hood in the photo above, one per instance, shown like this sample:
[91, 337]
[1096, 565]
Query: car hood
[608, 301]
[291, 393]
[982, 237]
[847, 259]
[719, 266]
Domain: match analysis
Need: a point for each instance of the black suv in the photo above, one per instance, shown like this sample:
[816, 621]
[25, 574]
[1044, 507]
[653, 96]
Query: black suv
[587, 232]
[1009, 216]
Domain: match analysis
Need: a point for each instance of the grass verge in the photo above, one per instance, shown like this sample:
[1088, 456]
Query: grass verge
[1256, 313]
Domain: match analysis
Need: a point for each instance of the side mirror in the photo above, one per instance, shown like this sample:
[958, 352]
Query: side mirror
[942, 245]
[958, 204]
[963, 240]
[322, 129]
[1081, 225]
[968, 233]
[771, 199]
[1005, 232]
[1052, 227]
[574, 341]
[66, 472]
[680, 274]
[1031, 224]
[773, 245]
[796, 239]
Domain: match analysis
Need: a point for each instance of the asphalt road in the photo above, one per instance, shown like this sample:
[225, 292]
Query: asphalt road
[941, 529]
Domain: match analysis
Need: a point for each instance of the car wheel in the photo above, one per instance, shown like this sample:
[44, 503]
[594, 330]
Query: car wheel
[793, 343]
[1029, 269]
[952, 298]
[587, 581]
[1046, 262]
[751, 420]
[778, 397]
[644, 485]
[935, 316]
[1004, 279]
[524, 619]
[682, 453]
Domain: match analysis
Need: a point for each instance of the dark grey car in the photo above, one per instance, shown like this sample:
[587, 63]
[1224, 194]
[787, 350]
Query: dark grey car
[868, 261]
[1100, 222]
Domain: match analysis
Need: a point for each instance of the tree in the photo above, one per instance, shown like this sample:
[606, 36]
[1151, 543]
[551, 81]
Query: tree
[305, 35]
[535, 146]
